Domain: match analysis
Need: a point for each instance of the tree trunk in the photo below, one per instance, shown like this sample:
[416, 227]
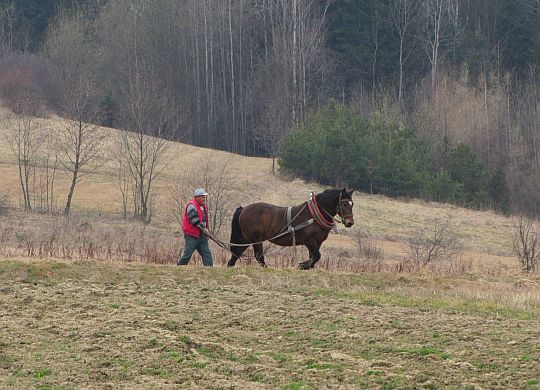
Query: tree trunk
[71, 191]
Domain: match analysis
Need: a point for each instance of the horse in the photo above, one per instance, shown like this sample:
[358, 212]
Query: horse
[306, 224]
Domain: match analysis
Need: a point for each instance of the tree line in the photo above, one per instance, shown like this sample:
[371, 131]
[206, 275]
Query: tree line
[378, 155]
[239, 75]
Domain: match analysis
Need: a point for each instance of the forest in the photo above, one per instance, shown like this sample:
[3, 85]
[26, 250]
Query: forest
[452, 82]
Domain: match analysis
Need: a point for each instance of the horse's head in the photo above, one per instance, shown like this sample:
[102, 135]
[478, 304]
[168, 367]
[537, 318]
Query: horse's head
[345, 207]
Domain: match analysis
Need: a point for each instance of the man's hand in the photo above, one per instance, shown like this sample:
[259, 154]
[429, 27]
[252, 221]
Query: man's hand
[205, 232]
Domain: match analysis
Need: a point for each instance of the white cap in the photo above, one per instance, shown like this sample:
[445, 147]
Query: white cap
[200, 192]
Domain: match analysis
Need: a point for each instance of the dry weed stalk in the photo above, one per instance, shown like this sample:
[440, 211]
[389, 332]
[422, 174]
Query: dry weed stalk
[368, 248]
[75, 238]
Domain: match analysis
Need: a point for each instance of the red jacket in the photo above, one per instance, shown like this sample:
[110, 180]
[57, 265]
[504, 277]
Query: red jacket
[187, 227]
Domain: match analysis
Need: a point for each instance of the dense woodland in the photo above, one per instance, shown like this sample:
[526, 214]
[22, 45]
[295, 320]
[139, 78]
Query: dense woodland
[458, 79]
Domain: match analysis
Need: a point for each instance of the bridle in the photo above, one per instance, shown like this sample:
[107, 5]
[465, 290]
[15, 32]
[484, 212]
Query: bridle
[341, 214]
[330, 222]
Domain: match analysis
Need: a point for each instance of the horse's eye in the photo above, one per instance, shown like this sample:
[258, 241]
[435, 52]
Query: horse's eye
[350, 203]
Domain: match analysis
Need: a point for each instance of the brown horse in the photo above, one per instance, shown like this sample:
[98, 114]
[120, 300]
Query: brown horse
[307, 224]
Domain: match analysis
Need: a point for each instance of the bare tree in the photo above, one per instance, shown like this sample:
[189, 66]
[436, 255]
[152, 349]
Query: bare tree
[275, 118]
[525, 240]
[434, 242]
[25, 136]
[402, 13]
[435, 19]
[216, 178]
[147, 115]
[7, 33]
[80, 140]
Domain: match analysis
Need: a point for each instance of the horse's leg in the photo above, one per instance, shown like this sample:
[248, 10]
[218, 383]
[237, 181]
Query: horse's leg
[236, 253]
[259, 254]
[314, 255]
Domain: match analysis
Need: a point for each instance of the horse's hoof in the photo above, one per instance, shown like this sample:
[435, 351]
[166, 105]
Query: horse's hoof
[305, 265]
[263, 265]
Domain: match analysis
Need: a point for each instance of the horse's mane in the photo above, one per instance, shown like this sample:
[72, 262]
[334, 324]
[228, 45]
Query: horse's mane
[328, 196]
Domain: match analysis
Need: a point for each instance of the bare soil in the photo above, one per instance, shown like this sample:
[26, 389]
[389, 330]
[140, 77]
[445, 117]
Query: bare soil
[91, 325]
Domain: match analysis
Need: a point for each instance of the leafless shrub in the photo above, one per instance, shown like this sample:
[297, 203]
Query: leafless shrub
[525, 240]
[215, 177]
[435, 242]
[367, 247]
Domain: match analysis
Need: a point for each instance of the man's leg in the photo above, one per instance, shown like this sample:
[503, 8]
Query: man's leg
[204, 250]
[189, 247]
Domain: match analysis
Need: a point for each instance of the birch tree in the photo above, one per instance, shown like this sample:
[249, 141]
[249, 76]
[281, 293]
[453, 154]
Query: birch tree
[434, 19]
[401, 14]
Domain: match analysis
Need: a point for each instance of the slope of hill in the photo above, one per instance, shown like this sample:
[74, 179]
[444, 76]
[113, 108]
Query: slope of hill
[68, 321]
[485, 236]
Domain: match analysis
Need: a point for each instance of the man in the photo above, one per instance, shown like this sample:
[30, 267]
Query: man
[195, 228]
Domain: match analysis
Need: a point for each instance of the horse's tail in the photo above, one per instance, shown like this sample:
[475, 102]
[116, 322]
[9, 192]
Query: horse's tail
[236, 231]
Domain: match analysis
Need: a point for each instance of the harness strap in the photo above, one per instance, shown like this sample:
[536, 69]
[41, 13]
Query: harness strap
[318, 216]
[289, 219]
[290, 229]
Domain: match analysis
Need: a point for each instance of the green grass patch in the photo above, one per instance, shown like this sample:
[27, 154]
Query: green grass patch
[319, 366]
[196, 364]
[424, 351]
[298, 386]
[373, 373]
[41, 373]
[208, 352]
[279, 357]
[157, 372]
[177, 357]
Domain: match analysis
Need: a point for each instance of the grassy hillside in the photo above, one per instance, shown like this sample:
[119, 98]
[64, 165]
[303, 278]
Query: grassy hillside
[485, 236]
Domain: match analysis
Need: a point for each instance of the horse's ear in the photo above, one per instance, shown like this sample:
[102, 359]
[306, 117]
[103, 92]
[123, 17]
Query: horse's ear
[347, 193]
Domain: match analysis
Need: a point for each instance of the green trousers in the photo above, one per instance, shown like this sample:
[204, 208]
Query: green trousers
[201, 245]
